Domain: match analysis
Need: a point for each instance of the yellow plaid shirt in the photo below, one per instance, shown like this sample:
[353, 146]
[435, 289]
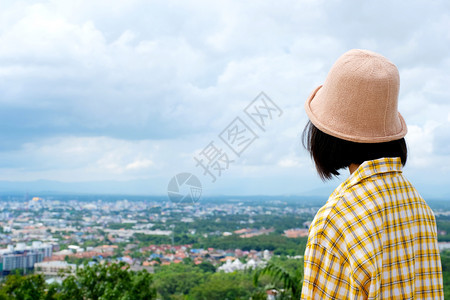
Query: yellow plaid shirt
[375, 238]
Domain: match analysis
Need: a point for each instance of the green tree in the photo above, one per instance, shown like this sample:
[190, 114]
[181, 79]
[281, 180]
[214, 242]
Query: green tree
[70, 289]
[31, 287]
[445, 261]
[114, 281]
[97, 282]
[52, 291]
[222, 286]
[291, 281]
[207, 267]
[177, 280]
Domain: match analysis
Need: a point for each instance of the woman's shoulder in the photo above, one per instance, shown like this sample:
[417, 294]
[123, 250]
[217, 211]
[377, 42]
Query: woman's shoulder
[327, 222]
[340, 218]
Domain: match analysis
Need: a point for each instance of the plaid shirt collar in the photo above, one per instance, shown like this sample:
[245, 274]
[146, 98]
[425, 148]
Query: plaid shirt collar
[368, 169]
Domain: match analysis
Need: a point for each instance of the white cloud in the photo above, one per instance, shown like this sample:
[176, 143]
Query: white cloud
[289, 162]
[140, 164]
[420, 145]
[94, 91]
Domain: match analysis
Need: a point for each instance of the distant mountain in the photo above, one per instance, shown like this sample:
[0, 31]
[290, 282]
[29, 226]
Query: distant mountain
[133, 187]
[158, 186]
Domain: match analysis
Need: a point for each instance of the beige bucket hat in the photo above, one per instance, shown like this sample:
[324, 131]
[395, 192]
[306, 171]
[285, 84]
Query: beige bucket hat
[358, 101]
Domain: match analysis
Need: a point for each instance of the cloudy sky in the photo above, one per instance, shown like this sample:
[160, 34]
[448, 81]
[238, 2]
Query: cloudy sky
[119, 96]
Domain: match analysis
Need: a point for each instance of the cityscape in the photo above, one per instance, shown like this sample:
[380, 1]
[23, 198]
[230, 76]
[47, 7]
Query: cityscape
[46, 230]
[55, 235]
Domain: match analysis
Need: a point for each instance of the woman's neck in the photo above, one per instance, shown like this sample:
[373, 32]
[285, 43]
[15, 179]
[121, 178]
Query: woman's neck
[352, 168]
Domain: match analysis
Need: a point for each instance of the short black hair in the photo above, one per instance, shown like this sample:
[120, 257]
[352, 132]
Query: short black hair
[331, 154]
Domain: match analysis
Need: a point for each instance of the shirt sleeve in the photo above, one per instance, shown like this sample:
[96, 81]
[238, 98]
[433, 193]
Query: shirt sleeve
[325, 275]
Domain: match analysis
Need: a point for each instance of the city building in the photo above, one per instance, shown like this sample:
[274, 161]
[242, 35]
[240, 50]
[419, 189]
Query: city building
[23, 256]
[53, 268]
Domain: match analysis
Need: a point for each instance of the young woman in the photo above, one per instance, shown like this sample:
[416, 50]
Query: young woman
[375, 238]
